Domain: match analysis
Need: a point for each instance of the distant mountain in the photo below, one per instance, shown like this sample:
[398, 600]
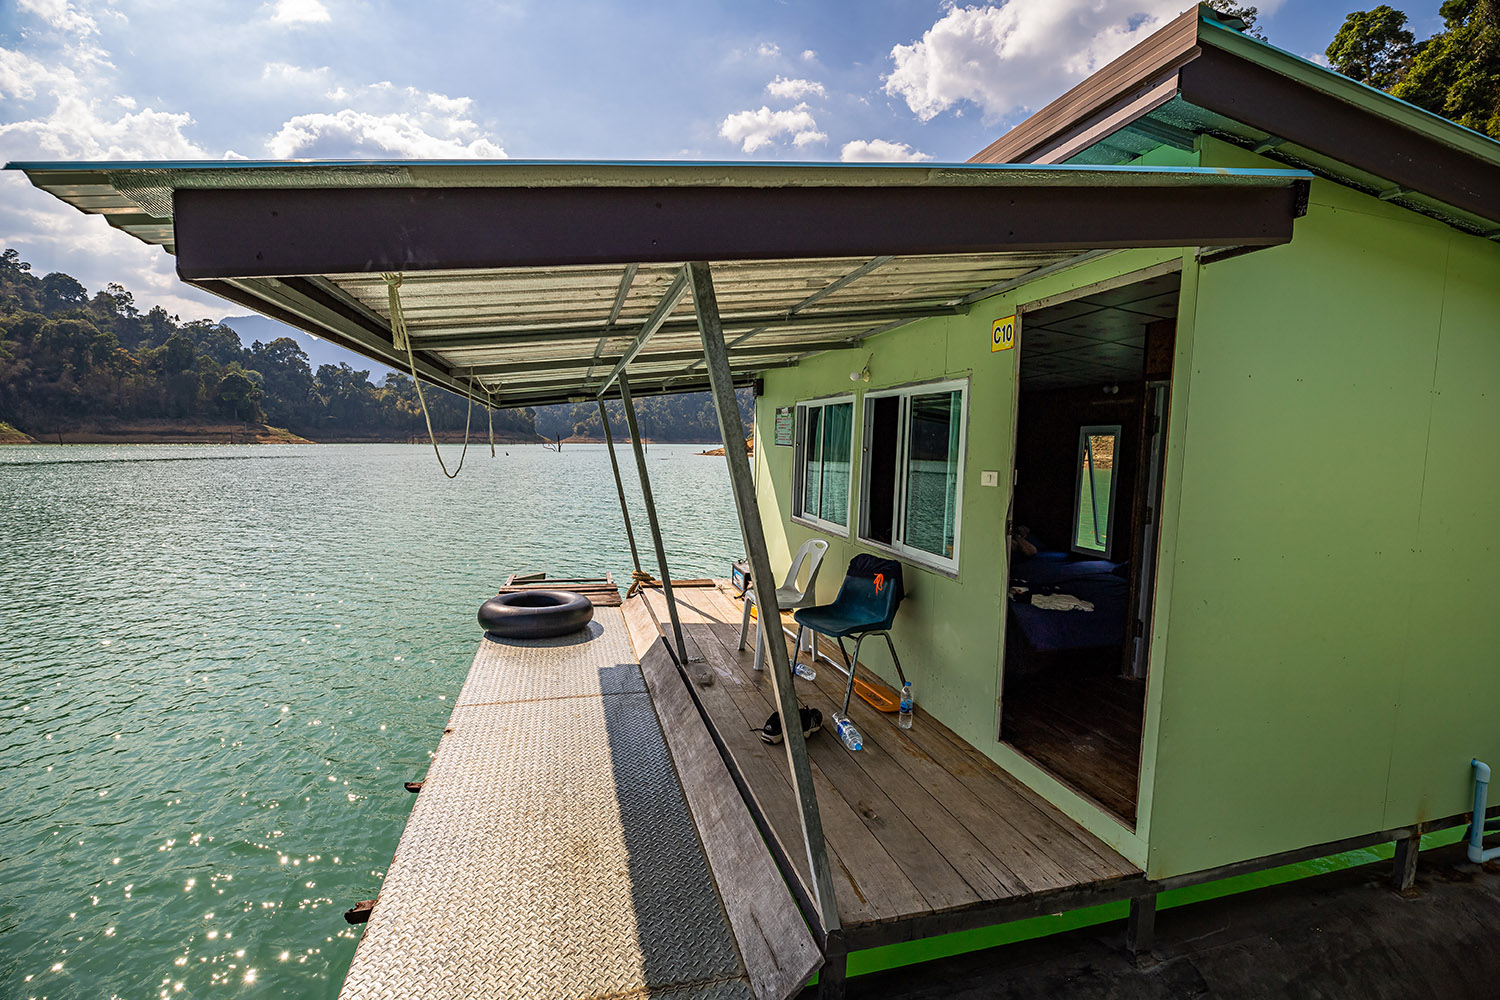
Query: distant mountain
[318, 350]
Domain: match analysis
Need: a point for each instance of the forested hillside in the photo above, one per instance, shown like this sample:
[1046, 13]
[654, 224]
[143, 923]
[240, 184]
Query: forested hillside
[686, 417]
[70, 361]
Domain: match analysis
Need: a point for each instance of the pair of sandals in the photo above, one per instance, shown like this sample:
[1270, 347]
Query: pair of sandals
[812, 721]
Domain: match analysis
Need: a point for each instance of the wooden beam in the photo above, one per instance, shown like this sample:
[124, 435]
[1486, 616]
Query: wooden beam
[1140, 925]
[267, 232]
[1404, 867]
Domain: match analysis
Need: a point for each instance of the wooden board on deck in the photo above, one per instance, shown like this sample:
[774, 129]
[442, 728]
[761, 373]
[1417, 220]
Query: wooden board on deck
[923, 830]
[601, 592]
[777, 948]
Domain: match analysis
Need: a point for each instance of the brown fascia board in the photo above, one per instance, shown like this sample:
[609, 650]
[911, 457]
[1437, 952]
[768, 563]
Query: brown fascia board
[1172, 62]
[1132, 76]
[1269, 102]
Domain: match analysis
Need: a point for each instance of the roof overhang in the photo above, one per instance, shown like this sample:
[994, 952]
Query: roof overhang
[1197, 76]
[526, 283]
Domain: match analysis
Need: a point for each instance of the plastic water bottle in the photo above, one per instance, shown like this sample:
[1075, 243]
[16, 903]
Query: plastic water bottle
[803, 671]
[904, 719]
[847, 732]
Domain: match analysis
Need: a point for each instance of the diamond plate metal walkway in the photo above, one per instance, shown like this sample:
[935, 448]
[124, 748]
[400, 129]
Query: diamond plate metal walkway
[551, 852]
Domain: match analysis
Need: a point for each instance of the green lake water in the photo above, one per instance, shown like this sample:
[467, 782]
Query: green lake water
[220, 663]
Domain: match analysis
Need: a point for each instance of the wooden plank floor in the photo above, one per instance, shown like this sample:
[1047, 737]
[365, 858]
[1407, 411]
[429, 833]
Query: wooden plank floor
[1086, 730]
[925, 834]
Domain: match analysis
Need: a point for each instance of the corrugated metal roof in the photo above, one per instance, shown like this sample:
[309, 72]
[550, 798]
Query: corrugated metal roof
[535, 334]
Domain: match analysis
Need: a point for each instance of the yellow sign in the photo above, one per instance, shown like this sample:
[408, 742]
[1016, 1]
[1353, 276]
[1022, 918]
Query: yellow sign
[1003, 334]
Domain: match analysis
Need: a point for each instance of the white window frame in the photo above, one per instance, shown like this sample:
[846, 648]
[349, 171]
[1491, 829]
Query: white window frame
[1084, 433]
[799, 465]
[897, 546]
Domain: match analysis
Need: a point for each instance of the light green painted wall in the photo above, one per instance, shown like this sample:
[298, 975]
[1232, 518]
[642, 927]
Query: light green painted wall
[1332, 634]
[949, 631]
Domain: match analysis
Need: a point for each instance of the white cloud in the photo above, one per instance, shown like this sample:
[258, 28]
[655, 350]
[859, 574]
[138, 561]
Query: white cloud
[1017, 56]
[61, 16]
[767, 50]
[415, 134]
[757, 129]
[79, 124]
[808, 138]
[791, 90]
[299, 12]
[808, 55]
[55, 237]
[880, 151]
[298, 77]
[61, 100]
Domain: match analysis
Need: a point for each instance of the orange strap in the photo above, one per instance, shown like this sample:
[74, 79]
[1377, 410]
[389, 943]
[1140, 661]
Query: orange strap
[879, 582]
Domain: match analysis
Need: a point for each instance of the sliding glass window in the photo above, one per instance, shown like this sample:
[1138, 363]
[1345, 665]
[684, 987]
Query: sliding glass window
[825, 453]
[1093, 496]
[912, 497]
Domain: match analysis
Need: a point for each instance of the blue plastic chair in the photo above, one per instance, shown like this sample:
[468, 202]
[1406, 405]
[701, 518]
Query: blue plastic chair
[866, 605]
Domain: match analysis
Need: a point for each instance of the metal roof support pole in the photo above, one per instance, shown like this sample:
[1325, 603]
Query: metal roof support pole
[661, 552]
[609, 442]
[733, 429]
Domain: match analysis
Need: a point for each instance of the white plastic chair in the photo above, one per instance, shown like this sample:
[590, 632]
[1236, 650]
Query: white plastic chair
[788, 597]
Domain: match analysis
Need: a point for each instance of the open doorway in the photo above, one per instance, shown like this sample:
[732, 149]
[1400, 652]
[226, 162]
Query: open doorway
[1090, 441]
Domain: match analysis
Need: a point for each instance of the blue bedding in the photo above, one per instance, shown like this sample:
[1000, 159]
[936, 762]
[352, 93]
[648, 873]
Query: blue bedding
[1098, 581]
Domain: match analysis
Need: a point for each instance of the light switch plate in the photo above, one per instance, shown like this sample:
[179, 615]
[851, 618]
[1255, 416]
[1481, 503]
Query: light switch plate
[987, 478]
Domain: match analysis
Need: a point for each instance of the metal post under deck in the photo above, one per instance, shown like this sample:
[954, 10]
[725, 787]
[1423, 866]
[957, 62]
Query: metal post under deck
[661, 552]
[609, 443]
[706, 305]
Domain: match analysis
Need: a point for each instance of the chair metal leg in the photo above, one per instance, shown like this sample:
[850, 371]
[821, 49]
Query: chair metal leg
[745, 619]
[894, 658]
[854, 665]
[797, 648]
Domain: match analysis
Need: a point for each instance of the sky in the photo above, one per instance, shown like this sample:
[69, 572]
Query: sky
[607, 79]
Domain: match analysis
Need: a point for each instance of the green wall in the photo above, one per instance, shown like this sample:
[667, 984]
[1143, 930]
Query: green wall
[1332, 625]
[949, 631]
[1326, 628]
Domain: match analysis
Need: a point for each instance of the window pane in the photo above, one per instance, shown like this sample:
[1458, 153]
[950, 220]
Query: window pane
[812, 460]
[932, 472]
[1095, 474]
[838, 428]
[883, 418]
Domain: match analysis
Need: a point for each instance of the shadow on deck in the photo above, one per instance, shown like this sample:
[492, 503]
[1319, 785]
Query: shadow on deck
[925, 834]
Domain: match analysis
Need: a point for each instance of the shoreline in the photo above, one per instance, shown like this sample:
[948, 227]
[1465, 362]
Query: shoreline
[164, 432]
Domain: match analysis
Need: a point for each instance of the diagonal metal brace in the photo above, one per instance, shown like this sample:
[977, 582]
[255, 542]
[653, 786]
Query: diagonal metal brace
[653, 323]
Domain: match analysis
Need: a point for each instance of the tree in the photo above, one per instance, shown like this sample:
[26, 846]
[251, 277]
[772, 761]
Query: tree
[1373, 46]
[1245, 13]
[238, 395]
[11, 264]
[1456, 73]
[62, 291]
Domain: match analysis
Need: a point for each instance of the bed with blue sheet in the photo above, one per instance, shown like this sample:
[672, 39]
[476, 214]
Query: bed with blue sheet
[1034, 634]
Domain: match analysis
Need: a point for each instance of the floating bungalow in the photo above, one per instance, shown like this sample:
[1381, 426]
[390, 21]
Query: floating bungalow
[1163, 402]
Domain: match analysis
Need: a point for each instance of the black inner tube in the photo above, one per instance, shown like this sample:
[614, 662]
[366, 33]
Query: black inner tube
[535, 614]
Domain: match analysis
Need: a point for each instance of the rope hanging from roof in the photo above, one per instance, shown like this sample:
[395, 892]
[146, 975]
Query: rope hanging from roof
[489, 407]
[401, 340]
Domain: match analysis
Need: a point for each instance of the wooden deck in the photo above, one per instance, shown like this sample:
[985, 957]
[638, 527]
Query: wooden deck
[925, 834]
[1084, 730]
